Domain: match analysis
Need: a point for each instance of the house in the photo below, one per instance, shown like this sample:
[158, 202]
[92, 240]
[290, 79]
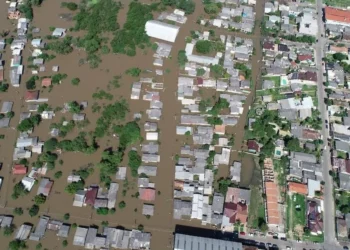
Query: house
[80, 236]
[59, 32]
[272, 207]
[308, 24]
[218, 203]
[23, 232]
[45, 187]
[121, 173]
[27, 142]
[298, 188]
[19, 169]
[78, 117]
[112, 194]
[337, 16]
[46, 82]
[6, 221]
[54, 225]
[63, 231]
[79, 197]
[253, 146]
[162, 31]
[269, 7]
[139, 240]
[184, 242]
[342, 229]
[235, 171]
[148, 209]
[40, 229]
[313, 187]
[6, 107]
[314, 216]
[90, 238]
[31, 95]
[147, 194]
[90, 196]
[148, 170]
[28, 183]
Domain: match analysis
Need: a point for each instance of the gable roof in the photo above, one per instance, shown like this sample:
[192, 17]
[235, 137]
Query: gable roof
[337, 15]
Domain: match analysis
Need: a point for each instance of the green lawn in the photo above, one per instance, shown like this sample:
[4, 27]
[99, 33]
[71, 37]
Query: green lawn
[299, 214]
[256, 207]
[338, 3]
[314, 238]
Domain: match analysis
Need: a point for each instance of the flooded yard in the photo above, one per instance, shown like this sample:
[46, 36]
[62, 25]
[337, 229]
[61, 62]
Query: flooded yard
[162, 224]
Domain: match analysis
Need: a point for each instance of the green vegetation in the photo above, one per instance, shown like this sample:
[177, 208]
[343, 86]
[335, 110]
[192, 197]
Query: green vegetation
[34, 210]
[186, 5]
[200, 71]
[342, 201]
[133, 33]
[64, 243]
[300, 39]
[182, 58]
[122, 205]
[220, 105]
[57, 78]
[257, 209]
[211, 7]
[337, 3]
[314, 121]
[3, 87]
[73, 187]
[281, 168]
[128, 134]
[19, 190]
[75, 81]
[39, 199]
[203, 46]
[101, 94]
[18, 211]
[66, 216]
[63, 129]
[69, 5]
[224, 184]
[50, 144]
[140, 227]
[30, 84]
[62, 46]
[26, 9]
[110, 114]
[297, 208]
[38, 246]
[247, 72]
[102, 211]
[10, 114]
[134, 162]
[79, 144]
[74, 107]
[109, 165]
[133, 72]
[218, 71]
[17, 245]
[8, 230]
[58, 174]
[204, 105]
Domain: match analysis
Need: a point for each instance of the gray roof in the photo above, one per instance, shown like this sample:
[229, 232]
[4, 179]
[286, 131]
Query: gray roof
[80, 236]
[6, 221]
[342, 146]
[40, 229]
[186, 242]
[288, 114]
[310, 146]
[303, 157]
[90, 238]
[268, 84]
[139, 240]
[121, 174]
[218, 203]
[63, 231]
[23, 232]
[148, 170]
[4, 122]
[182, 208]
[112, 194]
[344, 180]
[151, 148]
[148, 209]
[6, 107]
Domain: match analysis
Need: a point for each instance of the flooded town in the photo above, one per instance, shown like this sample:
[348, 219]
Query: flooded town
[175, 124]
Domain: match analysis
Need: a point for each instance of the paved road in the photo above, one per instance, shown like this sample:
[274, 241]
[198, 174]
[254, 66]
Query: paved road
[328, 214]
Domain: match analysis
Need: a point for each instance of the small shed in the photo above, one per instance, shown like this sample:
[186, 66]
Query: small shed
[152, 136]
[79, 198]
[59, 32]
[31, 95]
[45, 187]
[80, 236]
[6, 221]
[147, 194]
[79, 117]
[121, 174]
[38, 61]
[63, 231]
[148, 209]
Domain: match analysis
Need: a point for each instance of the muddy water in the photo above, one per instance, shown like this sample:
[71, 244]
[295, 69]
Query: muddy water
[161, 225]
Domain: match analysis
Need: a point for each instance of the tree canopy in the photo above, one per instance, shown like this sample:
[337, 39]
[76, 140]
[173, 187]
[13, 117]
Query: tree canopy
[203, 46]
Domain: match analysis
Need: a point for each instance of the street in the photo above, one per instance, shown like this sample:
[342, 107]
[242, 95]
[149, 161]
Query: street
[328, 214]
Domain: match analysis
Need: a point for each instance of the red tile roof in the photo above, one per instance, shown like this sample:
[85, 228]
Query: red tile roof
[337, 15]
[90, 196]
[147, 194]
[299, 188]
[269, 45]
[46, 82]
[304, 57]
[32, 95]
[253, 145]
[19, 169]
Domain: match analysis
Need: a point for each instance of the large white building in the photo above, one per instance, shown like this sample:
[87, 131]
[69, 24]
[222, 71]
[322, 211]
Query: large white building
[162, 31]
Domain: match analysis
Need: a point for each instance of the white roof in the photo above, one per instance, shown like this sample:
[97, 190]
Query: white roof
[28, 183]
[152, 136]
[162, 31]
[313, 186]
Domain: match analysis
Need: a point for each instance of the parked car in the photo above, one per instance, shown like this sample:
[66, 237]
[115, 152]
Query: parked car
[242, 233]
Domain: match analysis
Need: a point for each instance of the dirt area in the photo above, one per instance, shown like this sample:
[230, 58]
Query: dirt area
[161, 225]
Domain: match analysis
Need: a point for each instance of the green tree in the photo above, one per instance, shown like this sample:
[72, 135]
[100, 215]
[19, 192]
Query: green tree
[140, 227]
[50, 144]
[74, 107]
[203, 46]
[8, 230]
[134, 162]
[65, 243]
[18, 211]
[66, 216]
[29, 123]
[19, 190]
[17, 245]
[182, 58]
[73, 187]
[69, 5]
[268, 149]
[58, 174]
[62, 46]
[224, 185]
[10, 114]
[75, 81]
[34, 210]
[200, 71]
[293, 144]
[128, 134]
[30, 84]
[38, 246]
[39, 199]
[102, 211]
[133, 72]
[186, 5]
[211, 8]
[3, 87]
[122, 204]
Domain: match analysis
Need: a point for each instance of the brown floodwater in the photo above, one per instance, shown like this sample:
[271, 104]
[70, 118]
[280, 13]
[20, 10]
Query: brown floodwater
[161, 225]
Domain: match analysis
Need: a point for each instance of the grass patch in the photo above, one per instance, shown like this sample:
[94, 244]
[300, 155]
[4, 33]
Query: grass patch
[338, 3]
[314, 238]
[298, 208]
[256, 208]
